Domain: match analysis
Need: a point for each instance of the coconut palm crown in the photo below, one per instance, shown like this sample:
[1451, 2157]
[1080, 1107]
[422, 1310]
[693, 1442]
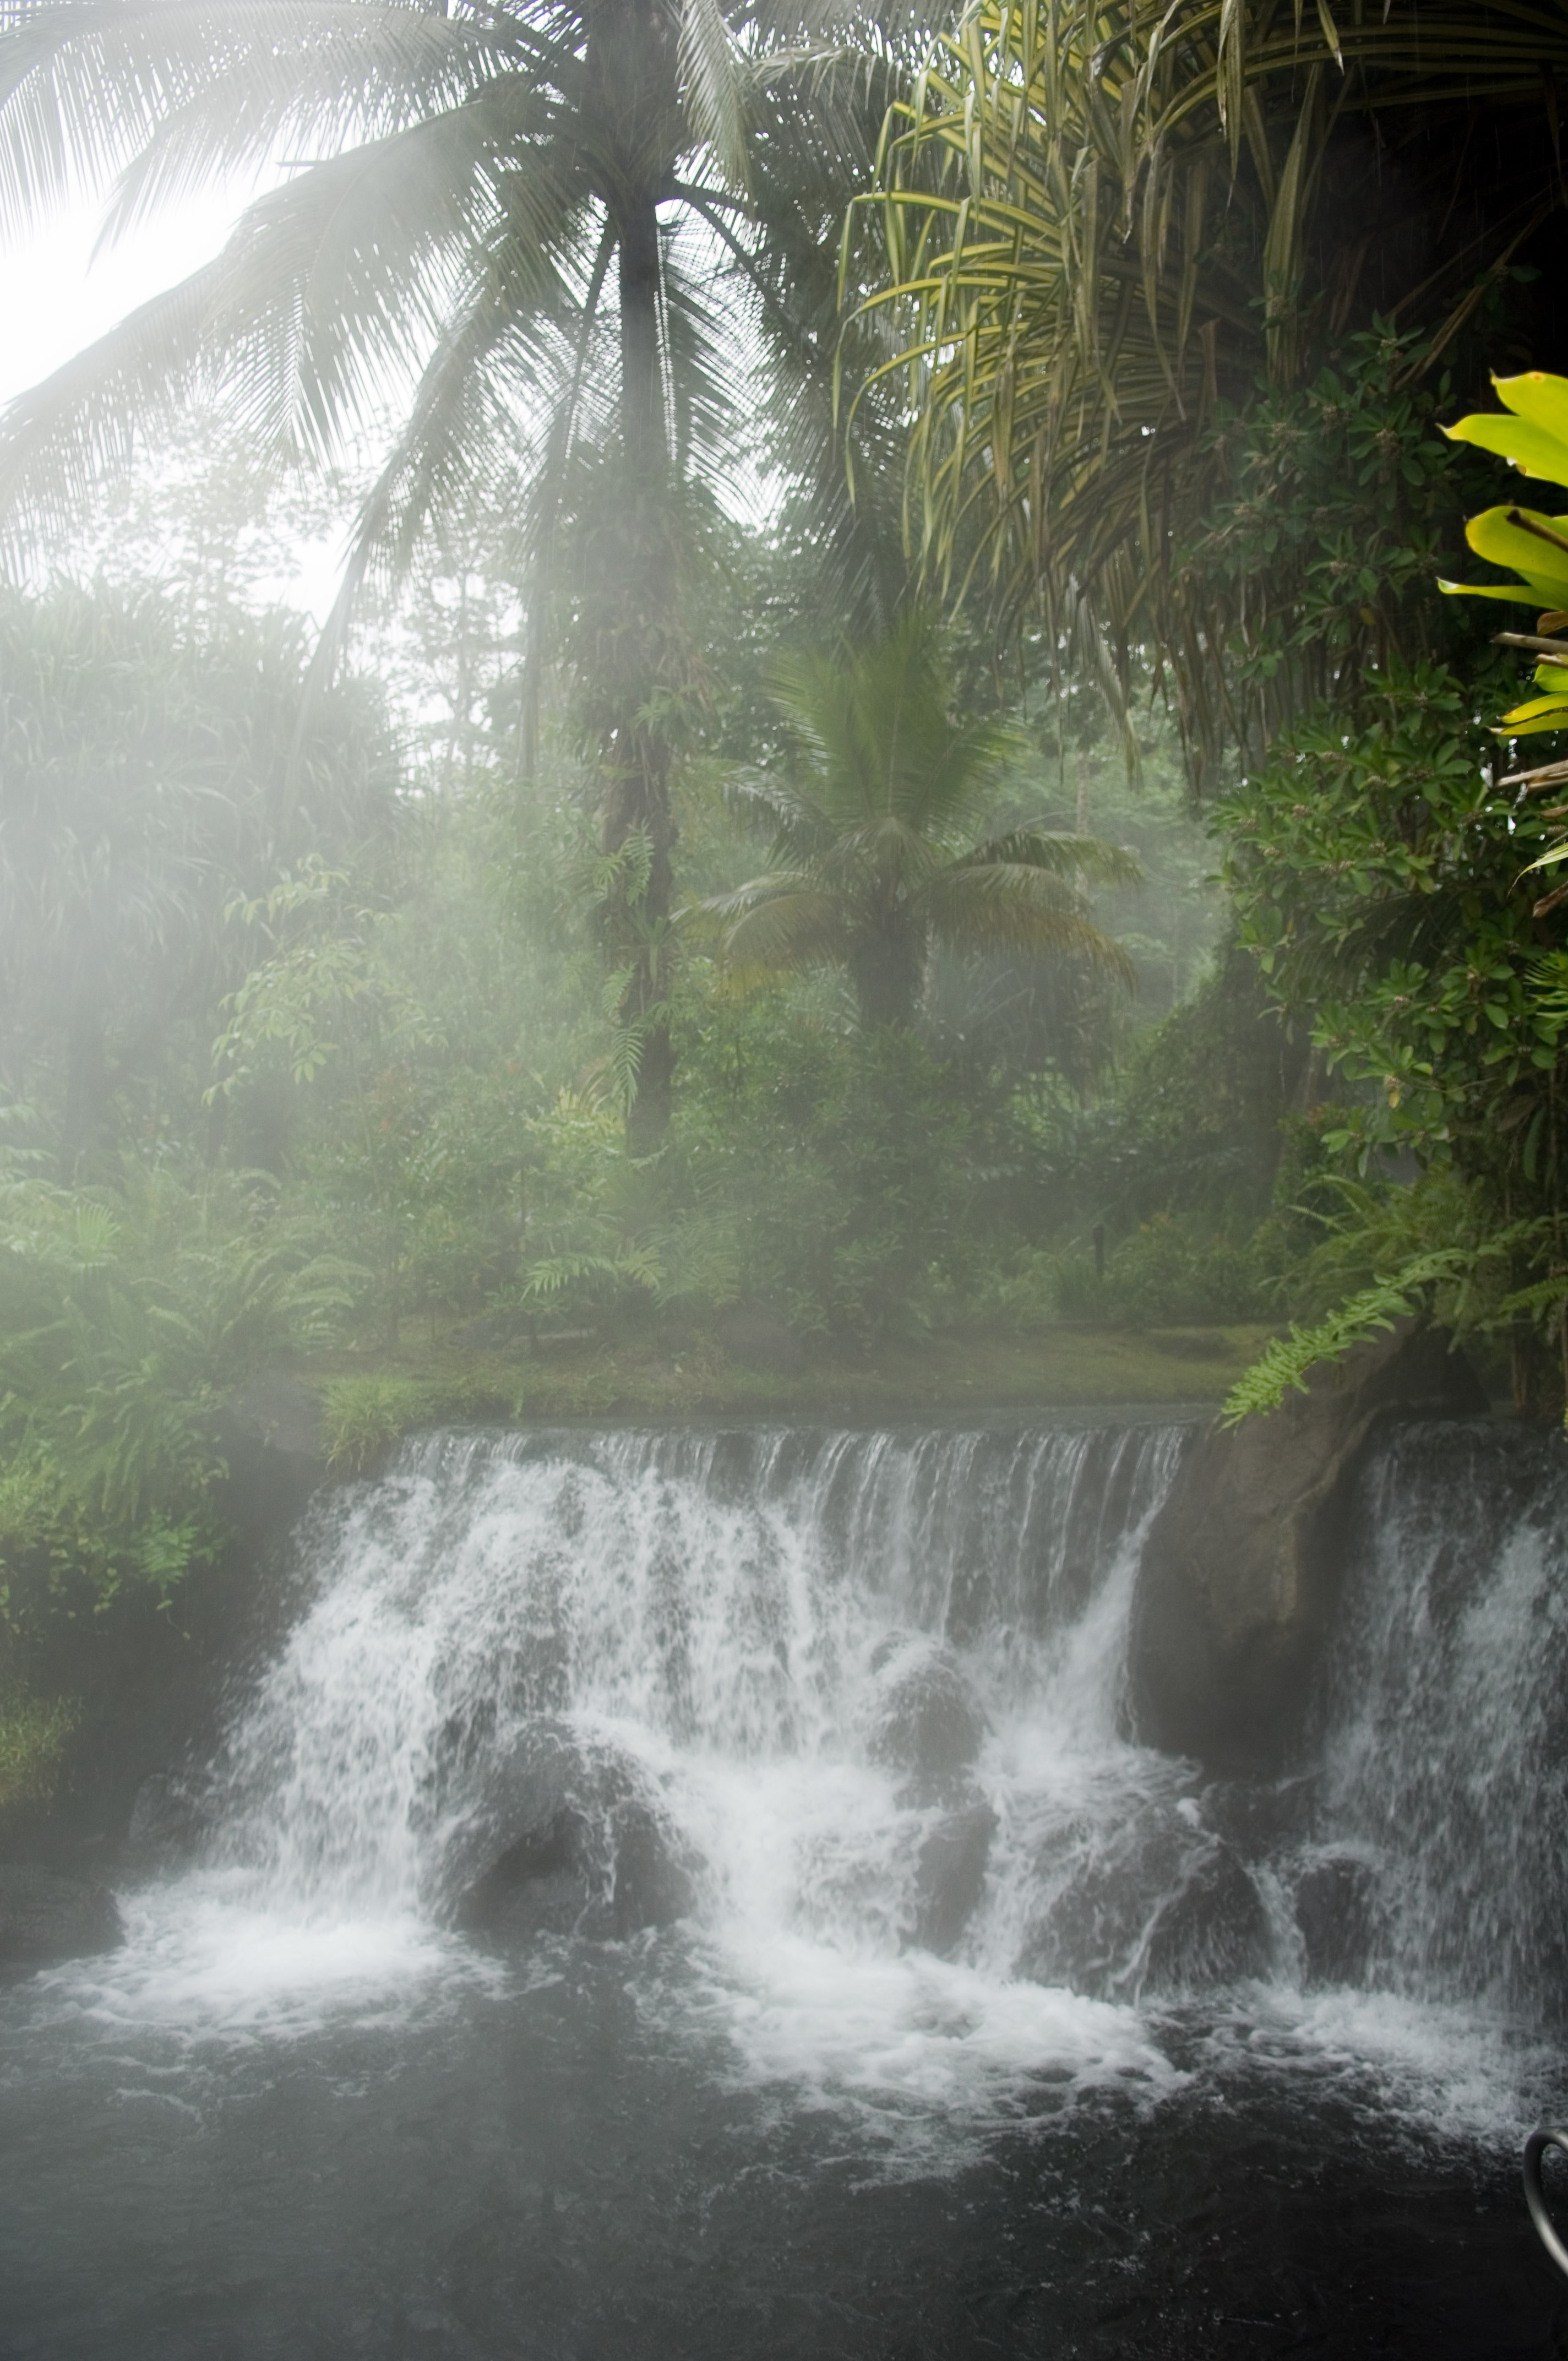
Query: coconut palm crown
[874, 860]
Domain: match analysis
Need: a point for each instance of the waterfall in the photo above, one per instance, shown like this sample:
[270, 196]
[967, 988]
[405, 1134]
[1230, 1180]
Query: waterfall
[850, 1709]
[1444, 1742]
[702, 1895]
[708, 1600]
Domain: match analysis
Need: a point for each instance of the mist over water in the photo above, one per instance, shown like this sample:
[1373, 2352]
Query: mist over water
[1028, 1979]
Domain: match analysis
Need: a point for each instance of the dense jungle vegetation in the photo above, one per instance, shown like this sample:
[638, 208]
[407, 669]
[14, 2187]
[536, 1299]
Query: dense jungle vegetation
[892, 792]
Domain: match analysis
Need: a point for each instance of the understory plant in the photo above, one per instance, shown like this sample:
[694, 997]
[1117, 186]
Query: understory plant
[125, 1315]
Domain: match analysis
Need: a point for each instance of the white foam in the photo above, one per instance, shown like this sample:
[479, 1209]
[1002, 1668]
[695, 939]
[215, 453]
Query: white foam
[207, 1959]
[1457, 2074]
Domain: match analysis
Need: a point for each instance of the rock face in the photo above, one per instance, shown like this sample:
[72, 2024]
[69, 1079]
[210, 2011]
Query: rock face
[45, 1916]
[1241, 1569]
[926, 1721]
[272, 1436]
[571, 1838]
[168, 1820]
[949, 1876]
[1155, 1905]
[1337, 1916]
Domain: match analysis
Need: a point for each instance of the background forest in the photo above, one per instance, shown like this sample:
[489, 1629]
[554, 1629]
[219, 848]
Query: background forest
[893, 790]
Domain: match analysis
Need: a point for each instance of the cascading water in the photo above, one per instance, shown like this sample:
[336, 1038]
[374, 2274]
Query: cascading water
[1444, 1752]
[640, 1815]
[736, 1626]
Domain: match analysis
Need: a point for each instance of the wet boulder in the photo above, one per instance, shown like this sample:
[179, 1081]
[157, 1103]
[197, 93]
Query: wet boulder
[1156, 1902]
[169, 1820]
[1212, 1929]
[1338, 1916]
[1241, 1569]
[45, 1916]
[949, 1876]
[568, 1836]
[926, 1721]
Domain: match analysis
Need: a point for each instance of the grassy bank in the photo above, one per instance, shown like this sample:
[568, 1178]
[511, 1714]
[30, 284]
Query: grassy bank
[369, 1403]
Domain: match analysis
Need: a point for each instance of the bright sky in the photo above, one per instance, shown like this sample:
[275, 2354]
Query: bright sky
[57, 297]
[55, 302]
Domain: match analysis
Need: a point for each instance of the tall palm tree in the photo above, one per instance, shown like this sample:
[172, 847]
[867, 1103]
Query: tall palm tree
[875, 860]
[1107, 217]
[560, 216]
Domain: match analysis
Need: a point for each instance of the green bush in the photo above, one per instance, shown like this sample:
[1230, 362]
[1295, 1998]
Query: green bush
[124, 1314]
[33, 1735]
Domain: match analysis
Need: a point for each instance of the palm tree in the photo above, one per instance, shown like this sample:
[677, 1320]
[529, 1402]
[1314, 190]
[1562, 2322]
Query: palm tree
[563, 217]
[873, 856]
[1107, 218]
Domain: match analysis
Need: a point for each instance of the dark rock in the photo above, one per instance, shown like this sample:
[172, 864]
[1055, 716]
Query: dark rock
[1338, 1916]
[950, 1877]
[1241, 1567]
[1156, 1902]
[45, 1916]
[753, 1332]
[1259, 1816]
[169, 1821]
[926, 1721]
[570, 1837]
[1212, 1930]
[272, 1435]
[282, 1413]
[1103, 1886]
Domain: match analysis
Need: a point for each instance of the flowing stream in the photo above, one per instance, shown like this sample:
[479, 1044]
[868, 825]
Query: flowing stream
[687, 1894]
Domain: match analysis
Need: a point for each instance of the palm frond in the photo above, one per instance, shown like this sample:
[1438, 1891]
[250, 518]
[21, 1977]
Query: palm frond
[783, 922]
[1007, 905]
[1060, 856]
[172, 94]
[714, 83]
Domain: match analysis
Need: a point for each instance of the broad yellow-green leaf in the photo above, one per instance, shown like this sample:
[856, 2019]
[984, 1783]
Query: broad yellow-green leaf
[1536, 437]
[1536, 713]
[1518, 594]
[1535, 546]
[1534, 450]
[1539, 396]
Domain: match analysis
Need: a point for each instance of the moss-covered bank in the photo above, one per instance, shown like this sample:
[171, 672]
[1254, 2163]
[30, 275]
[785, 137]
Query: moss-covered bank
[368, 1404]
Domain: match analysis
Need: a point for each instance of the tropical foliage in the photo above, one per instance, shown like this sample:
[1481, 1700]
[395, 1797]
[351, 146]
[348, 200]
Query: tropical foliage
[124, 1317]
[1374, 859]
[1535, 439]
[1104, 222]
[149, 767]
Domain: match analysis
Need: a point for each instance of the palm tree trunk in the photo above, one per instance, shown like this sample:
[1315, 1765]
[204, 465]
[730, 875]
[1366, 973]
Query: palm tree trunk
[637, 757]
[887, 971]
